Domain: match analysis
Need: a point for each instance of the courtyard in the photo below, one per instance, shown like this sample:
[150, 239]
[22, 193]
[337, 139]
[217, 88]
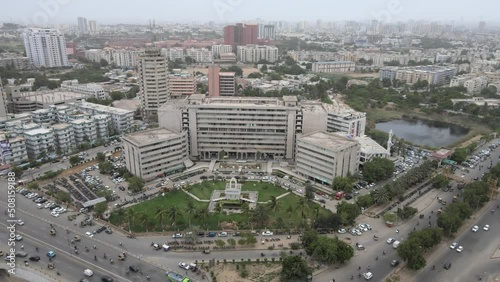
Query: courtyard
[266, 190]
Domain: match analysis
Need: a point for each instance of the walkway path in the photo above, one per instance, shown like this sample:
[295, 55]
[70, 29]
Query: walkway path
[194, 197]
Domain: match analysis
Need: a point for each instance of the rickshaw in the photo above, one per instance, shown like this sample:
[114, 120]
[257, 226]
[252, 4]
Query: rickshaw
[77, 238]
[50, 266]
[53, 231]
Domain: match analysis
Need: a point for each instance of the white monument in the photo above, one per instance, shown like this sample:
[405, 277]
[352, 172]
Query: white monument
[233, 190]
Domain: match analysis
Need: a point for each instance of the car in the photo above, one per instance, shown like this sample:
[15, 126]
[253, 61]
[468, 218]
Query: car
[54, 214]
[101, 229]
[368, 275]
[223, 234]
[88, 272]
[19, 237]
[348, 197]
[447, 265]
[475, 228]
[460, 249]
[133, 268]
[89, 234]
[201, 234]
[394, 262]
[106, 279]
[108, 231]
[486, 227]
[184, 265]
[453, 246]
[390, 240]
[177, 235]
[20, 222]
[342, 231]
[51, 254]
[206, 252]
[267, 233]
[21, 254]
[368, 226]
[212, 234]
[322, 201]
[35, 258]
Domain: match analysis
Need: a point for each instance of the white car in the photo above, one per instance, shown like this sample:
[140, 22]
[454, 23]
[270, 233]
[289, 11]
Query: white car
[486, 227]
[88, 272]
[342, 231]
[20, 222]
[177, 235]
[54, 214]
[184, 265]
[89, 234]
[475, 228]
[368, 275]
[460, 249]
[390, 240]
[453, 245]
[267, 233]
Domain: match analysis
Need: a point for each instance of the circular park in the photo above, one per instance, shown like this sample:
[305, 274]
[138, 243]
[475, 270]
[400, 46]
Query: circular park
[220, 205]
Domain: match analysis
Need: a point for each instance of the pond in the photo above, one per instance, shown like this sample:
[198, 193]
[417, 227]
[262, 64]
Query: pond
[428, 133]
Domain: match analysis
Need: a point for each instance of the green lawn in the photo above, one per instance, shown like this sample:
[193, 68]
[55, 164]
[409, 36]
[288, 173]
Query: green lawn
[179, 199]
[266, 190]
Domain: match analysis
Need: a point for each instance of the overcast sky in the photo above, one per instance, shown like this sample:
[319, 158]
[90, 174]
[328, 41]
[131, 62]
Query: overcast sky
[140, 11]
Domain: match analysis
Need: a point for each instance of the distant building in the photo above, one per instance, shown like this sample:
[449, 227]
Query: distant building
[175, 53]
[255, 53]
[434, 75]
[121, 119]
[322, 156]
[45, 47]
[16, 62]
[153, 81]
[83, 26]
[181, 84]
[240, 34]
[92, 27]
[268, 32]
[91, 89]
[221, 49]
[213, 80]
[156, 152]
[39, 142]
[202, 55]
[227, 84]
[333, 67]
[126, 58]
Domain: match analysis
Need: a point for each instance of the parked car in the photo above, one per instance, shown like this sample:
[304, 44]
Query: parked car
[394, 262]
[267, 233]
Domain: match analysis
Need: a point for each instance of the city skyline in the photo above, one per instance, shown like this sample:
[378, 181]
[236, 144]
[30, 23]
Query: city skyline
[67, 11]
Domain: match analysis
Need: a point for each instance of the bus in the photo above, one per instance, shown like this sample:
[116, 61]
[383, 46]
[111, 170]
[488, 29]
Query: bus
[175, 277]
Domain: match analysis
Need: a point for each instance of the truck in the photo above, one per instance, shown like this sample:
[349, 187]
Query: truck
[339, 195]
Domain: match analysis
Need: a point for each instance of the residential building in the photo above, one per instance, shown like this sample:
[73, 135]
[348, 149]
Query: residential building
[434, 75]
[333, 67]
[92, 27]
[476, 85]
[96, 55]
[217, 50]
[12, 150]
[202, 55]
[369, 149]
[255, 53]
[64, 137]
[181, 84]
[235, 127]
[45, 47]
[39, 142]
[322, 156]
[17, 62]
[83, 26]
[227, 84]
[153, 82]
[43, 116]
[226, 58]
[175, 53]
[267, 32]
[240, 34]
[84, 130]
[156, 152]
[90, 89]
[388, 72]
[121, 119]
[127, 58]
[102, 124]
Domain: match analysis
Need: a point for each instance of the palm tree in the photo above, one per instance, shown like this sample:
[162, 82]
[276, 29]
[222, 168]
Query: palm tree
[289, 211]
[380, 196]
[130, 215]
[190, 210]
[273, 205]
[173, 213]
[161, 212]
[246, 211]
[218, 211]
[143, 219]
[202, 215]
[303, 207]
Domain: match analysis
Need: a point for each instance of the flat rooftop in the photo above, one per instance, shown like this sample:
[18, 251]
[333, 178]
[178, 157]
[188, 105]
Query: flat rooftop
[149, 136]
[81, 121]
[38, 131]
[369, 145]
[52, 96]
[102, 108]
[61, 125]
[330, 141]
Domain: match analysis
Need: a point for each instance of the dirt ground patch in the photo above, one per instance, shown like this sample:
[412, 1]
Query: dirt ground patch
[257, 272]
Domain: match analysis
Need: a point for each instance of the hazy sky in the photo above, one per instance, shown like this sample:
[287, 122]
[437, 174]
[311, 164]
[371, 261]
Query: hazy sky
[140, 11]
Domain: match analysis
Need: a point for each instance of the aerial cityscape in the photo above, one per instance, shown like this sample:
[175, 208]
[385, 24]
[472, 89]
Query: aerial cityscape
[249, 141]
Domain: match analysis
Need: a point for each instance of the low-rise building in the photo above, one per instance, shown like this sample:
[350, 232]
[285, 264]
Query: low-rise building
[370, 149]
[333, 67]
[121, 119]
[255, 53]
[102, 124]
[84, 130]
[39, 142]
[202, 55]
[13, 150]
[64, 137]
[16, 62]
[156, 152]
[43, 116]
[434, 75]
[322, 156]
[181, 84]
[90, 89]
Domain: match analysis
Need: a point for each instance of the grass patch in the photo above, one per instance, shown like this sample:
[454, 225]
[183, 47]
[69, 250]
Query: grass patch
[266, 190]
[179, 199]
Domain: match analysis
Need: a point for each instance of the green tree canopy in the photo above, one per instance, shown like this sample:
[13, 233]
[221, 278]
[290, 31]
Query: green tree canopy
[348, 212]
[135, 184]
[378, 169]
[294, 268]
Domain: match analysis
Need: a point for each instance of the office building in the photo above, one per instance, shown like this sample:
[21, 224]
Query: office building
[153, 82]
[16, 62]
[213, 80]
[235, 127]
[83, 26]
[369, 149]
[39, 142]
[476, 85]
[227, 84]
[202, 55]
[64, 137]
[92, 27]
[45, 47]
[121, 119]
[267, 32]
[322, 156]
[217, 50]
[333, 67]
[175, 54]
[240, 34]
[255, 53]
[181, 84]
[156, 152]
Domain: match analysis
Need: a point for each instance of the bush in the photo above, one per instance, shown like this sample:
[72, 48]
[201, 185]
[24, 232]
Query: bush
[270, 248]
[244, 273]
[295, 246]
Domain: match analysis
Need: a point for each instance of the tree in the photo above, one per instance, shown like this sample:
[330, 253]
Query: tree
[218, 211]
[130, 216]
[309, 192]
[103, 63]
[327, 222]
[173, 214]
[378, 169]
[237, 70]
[18, 172]
[411, 252]
[255, 75]
[406, 212]
[105, 193]
[440, 181]
[101, 157]
[341, 183]
[190, 211]
[294, 268]
[344, 251]
[274, 76]
[202, 216]
[33, 185]
[74, 160]
[116, 95]
[303, 208]
[100, 208]
[380, 195]
[274, 205]
[260, 215]
[308, 239]
[263, 68]
[132, 93]
[386, 82]
[365, 201]
[189, 60]
[105, 167]
[161, 213]
[250, 239]
[135, 184]
[348, 212]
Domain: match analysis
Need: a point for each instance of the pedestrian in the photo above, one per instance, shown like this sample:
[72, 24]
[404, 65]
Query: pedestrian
[22, 247]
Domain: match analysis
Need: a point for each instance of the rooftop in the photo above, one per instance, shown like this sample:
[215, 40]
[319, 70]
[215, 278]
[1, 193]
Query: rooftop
[61, 126]
[81, 121]
[52, 96]
[149, 136]
[38, 131]
[369, 145]
[331, 141]
[102, 108]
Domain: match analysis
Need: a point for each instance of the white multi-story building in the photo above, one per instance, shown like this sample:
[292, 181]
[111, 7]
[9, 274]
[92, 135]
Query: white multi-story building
[95, 55]
[64, 137]
[153, 82]
[322, 156]
[42, 116]
[93, 27]
[175, 53]
[476, 85]
[202, 55]
[333, 67]
[217, 50]
[255, 53]
[369, 149]
[156, 152]
[102, 124]
[121, 119]
[83, 26]
[13, 150]
[235, 127]
[127, 58]
[45, 47]
[39, 142]
[84, 130]
[90, 89]
[434, 75]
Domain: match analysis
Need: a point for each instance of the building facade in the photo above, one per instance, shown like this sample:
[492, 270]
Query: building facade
[333, 67]
[240, 34]
[221, 49]
[202, 55]
[84, 130]
[121, 119]
[45, 47]
[157, 152]
[181, 84]
[153, 81]
[255, 53]
[39, 142]
[227, 84]
[64, 137]
[90, 89]
[435, 75]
